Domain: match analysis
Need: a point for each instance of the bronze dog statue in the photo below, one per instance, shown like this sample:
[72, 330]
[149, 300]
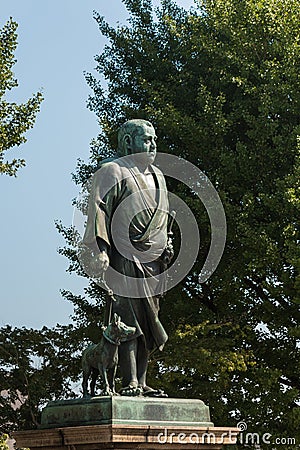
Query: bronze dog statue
[102, 358]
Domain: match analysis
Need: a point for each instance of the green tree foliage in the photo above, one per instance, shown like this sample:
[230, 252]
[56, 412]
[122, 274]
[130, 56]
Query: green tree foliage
[35, 366]
[15, 119]
[3, 444]
[221, 85]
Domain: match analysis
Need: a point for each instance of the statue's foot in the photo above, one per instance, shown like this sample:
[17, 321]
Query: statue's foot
[86, 396]
[131, 390]
[148, 391]
[107, 393]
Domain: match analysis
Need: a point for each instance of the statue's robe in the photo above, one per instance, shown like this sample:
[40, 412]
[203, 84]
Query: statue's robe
[141, 224]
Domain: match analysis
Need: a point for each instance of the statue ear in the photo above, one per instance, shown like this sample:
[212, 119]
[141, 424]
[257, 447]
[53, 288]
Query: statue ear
[128, 142]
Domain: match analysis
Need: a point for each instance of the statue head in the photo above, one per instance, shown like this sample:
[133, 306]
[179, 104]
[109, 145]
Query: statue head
[128, 132]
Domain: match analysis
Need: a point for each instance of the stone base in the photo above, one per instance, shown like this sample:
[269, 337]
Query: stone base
[126, 423]
[127, 437]
[126, 411]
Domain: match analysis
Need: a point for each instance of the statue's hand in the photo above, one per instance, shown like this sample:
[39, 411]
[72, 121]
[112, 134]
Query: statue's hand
[93, 262]
[168, 253]
[101, 262]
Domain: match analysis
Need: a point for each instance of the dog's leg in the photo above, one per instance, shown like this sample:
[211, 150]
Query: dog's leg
[95, 374]
[107, 390]
[86, 375]
[111, 379]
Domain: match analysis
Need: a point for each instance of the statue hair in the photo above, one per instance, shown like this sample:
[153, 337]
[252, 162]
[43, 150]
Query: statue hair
[130, 128]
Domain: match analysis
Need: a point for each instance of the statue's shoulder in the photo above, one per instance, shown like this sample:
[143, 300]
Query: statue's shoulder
[158, 173]
[156, 170]
[109, 166]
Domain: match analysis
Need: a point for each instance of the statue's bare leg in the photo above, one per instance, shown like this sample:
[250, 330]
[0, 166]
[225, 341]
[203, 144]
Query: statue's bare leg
[128, 367]
[142, 364]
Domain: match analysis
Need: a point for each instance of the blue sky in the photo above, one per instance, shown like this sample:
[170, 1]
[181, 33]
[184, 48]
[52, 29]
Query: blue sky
[58, 40]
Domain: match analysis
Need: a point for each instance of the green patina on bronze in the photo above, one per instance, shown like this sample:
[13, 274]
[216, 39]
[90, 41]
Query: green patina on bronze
[127, 411]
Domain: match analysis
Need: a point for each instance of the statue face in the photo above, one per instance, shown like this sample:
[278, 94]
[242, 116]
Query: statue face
[145, 142]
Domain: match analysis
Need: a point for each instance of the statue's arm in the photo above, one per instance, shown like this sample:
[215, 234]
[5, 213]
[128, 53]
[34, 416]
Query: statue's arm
[103, 195]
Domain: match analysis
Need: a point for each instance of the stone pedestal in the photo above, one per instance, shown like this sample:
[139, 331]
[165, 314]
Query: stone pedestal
[126, 423]
[127, 437]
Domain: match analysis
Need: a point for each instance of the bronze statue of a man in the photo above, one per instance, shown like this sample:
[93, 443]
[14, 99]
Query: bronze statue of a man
[140, 228]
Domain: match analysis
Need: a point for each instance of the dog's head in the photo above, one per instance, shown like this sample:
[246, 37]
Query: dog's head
[118, 330]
